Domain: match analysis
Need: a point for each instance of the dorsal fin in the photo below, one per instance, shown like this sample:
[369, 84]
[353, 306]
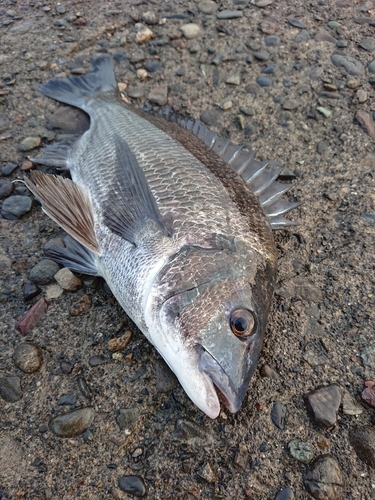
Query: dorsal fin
[257, 174]
[67, 204]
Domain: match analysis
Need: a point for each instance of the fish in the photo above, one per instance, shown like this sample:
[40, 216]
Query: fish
[178, 221]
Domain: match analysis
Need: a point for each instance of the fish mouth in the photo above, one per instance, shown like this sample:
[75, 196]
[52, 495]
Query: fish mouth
[230, 396]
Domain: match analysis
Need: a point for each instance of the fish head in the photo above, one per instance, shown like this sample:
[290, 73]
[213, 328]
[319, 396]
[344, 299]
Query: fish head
[213, 334]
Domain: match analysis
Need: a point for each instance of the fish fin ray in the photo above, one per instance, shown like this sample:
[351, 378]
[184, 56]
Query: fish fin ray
[279, 222]
[56, 154]
[77, 89]
[132, 202]
[75, 256]
[67, 204]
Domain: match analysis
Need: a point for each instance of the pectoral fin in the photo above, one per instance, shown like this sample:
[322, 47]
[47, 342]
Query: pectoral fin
[67, 204]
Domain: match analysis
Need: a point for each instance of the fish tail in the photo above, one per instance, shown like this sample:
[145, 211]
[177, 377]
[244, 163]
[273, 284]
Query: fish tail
[78, 89]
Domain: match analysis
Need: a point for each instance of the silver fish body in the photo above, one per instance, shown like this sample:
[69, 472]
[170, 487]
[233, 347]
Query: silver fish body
[176, 232]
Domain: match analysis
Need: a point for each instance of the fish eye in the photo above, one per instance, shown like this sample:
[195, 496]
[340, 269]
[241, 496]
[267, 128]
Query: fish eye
[242, 323]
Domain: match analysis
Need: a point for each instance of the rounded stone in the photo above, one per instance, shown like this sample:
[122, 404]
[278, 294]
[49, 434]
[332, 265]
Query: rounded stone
[6, 188]
[272, 41]
[229, 14]
[191, 31]
[10, 389]
[300, 450]
[363, 442]
[371, 66]
[133, 485]
[323, 479]
[211, 117]
[207, 7]
[16, 206]
[43, 273]
[28, 357]
[285, 494]
[73, 423]
[351, 65]
[264, 81]
[29, 143]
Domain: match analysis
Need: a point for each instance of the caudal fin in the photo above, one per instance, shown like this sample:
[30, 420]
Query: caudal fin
[76, 90]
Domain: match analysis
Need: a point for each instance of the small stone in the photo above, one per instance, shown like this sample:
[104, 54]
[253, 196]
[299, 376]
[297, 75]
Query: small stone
[270, 69]
[22, 28]
[323, 479]
[229, 14]
[300, 450]
[262, 55]
[119, 343]
[368, 44]
[191, 31]
[350, 405]
[10, 389]
[323, 36]
[226, 105]
[133, 485]
[127, 417]
[269, 372]
[152, 66]
[341, 44]
[188, 431]
[44, 272]
[264, 81]
[363, 442]
[159, 95]
[324, 111]
[351, 65]
[6, 188]
[233, 80]
[268, 27]
[297, 23]
[323, 403]
[368, 395]
[264, 3]
[211, 117]
[28, 357]
[32, 317]
[8, 169]
[207, 473]
[144, 34]
[66, 367]
[165, 379]
[27, 165]
[367, 123]
[333, 24]
[272, 41]
[136, 93]
[53, 291]
[97, 360]
[67, 399]
[322, 147]
[73, 423]
[247, 111]
[29, 143]
[278, 414]
[361, 96]
[353, 83]
[142, 73]
[81, 306]
[242, 456]
[16, 206]
[84, 388]
[207, 7]
[291, 104]
[149, 17]
[30, 290]
[285, 494]
[67, 280]
[302, 36]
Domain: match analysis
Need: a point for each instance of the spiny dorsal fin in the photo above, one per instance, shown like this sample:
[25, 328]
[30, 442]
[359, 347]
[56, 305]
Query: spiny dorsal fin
[257, 174]
[132, 202]
[68, 205]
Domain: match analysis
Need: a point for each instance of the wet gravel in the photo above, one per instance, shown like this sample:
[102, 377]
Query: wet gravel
[87, 408]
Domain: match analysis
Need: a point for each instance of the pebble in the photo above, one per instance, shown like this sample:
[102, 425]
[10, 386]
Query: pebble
[368, 357]
[233, 80]
[262, 55]
[207, 473]
[159, 95]
[165, 379]
[149, 17]
[351, 65]
[361, 96]
[16, 206]
[32, 317]
[84, 388]
[191, 30]
[119, 343]
[229, 14]
[67, 280]
[152, 66]
[300, 450]
[302, 36]
[67, 399]
[144, 34]
[268, 371]
[136, 93]
[322, 147]
[188, 431]
[226, 105]
[323, 479]
[242, 456]
[367, 123]
[66, 367]
[323, 404]
[211, 117]
[363, 442]
[81, 306]
[297, 23]
[22, 28]
[30, 290]
[264, 81]
[127, 417]
[341, 44]
[44, 272]
[353, 83]
[323, 36]
[70, 120]
[368, 395]
[73, 423]
[207, 7]
[350, 405]
[29, 143]
[291, 104]
[28, 357]
[368, 44]
[324, 111]
[278, 414]
[53, 291]
[270, 69]
[10, 389]
[142, 73]
[272, 41]
[27, 165]
[8, 169]
[264, 3]
[364, 20]
[285, 494]
[133, 485]
[6, 188]
[97, 360]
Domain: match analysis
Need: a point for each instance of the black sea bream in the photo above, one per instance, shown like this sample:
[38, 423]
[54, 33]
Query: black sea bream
[178, 221]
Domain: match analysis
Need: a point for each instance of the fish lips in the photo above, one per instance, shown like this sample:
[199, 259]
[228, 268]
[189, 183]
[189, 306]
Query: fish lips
[231, 384]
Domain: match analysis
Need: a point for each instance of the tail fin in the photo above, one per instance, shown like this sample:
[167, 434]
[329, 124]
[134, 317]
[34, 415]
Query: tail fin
[76, 90]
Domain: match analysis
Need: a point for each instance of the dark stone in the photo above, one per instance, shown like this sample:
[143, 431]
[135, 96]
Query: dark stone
[341, 44]
[297, 23]
[10, 389]
[368, 44]
[97, 360]
[152, 66]
[323, 480]
[43, 273]
[322, 147]
[8, 169]
[120, 56]
[70, 120]
[73, 423]
[285, 494]
[165, 378]
[351, 65]
[84, 388]
[126, 417]
[133, 485]
[278, 414]
[270, 69]
[264, 81]
[363, 442]
[6, 188]
[272, 40]
[67, 399]
[323, 404]
[66, 367]
[211, 117]
[303, 36]
[16, 206]
[30, 290]
[263, 55]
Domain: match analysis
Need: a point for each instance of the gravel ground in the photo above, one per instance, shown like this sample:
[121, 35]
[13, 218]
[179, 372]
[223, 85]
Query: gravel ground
[294, 80]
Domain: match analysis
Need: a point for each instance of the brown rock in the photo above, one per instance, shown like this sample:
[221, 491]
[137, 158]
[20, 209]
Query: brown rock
[32, 317]
[363, 442]
[368, 395]
[28, 357]
[159, 95]
[119, 343]
[67, 280]
[27, 165]
[268, 371]
[323, 404]
[323, 479]
[366, 122]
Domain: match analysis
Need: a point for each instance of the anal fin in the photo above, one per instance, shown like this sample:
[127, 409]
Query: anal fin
[56, 154]
[74, 256]
[68, 205]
